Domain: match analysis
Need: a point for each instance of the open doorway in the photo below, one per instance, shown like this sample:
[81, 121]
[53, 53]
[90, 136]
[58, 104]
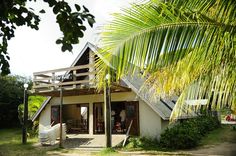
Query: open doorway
[122, 115]
[76, 118]
[118, 118]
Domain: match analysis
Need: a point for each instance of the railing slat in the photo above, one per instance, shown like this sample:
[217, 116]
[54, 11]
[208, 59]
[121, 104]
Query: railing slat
[62, 84]
[85, 74]
[41, 79]
[42, 73]
[47, 80]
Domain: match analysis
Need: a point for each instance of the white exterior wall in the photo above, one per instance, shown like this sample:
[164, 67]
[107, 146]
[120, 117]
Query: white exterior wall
[164, 124]
[149, 121]
[45, 117]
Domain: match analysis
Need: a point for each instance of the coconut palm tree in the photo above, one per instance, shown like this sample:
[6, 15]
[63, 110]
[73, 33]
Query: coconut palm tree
[184, 47]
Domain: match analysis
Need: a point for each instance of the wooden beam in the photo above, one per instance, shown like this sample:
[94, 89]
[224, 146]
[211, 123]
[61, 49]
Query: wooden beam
[61, 103]
[41, 79]
[42, 82]
[74, 78]
[67, 92]
[119, 86]
[53, 80]
[42, 75]
[85, 74]
[62, 84]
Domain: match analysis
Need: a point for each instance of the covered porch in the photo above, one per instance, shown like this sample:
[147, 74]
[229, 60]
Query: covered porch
[74, 81]
[85, 141]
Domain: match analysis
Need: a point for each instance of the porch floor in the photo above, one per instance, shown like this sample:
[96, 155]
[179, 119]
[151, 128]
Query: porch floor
[90, 141]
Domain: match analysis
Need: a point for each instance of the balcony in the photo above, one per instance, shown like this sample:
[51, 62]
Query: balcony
[77, 80]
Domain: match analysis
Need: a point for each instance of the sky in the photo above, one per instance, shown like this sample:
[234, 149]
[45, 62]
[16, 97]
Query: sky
[33, 51]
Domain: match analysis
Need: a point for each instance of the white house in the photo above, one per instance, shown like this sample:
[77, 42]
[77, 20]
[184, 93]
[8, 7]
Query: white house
[83, 107]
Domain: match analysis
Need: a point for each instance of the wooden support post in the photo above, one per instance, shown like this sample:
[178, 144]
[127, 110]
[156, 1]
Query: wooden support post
[107, 99]
[25, 118]
[61, 97]
[53, 80]
[74, 78]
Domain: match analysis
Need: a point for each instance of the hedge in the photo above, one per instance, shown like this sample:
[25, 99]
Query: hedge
[188, 133]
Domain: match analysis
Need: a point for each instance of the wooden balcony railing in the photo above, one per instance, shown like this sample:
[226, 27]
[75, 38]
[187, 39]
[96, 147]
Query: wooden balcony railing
[69, 78]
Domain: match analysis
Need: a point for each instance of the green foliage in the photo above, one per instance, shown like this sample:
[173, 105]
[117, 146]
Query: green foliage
[11, 144]
[15, 13]
[34, 103]
[184, 48]
[142, 143]
[188, 133]
[11, 95]
[108, 151]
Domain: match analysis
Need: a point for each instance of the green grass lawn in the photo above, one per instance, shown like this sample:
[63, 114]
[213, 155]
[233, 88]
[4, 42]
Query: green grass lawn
[10, 144]
[225, 133]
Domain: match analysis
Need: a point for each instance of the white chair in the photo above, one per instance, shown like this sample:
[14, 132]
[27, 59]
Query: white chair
[50, 134]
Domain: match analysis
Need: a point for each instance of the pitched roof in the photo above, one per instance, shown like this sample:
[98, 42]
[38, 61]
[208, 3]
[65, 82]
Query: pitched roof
[162, 107]
[87, 45]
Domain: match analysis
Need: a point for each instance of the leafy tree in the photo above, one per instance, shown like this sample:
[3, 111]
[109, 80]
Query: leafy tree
[15, 13]
[34, 103]
[11, 95]
[185, 48]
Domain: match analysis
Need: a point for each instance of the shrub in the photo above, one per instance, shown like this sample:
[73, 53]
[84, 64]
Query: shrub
[108, 151]
[142, 143]
[188, 133]
[32, 128]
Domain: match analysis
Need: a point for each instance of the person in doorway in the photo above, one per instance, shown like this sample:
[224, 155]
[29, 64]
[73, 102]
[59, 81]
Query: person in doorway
[113, 113]
[122, 119]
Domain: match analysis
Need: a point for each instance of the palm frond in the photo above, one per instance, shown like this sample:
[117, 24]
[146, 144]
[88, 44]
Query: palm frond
[181, 44]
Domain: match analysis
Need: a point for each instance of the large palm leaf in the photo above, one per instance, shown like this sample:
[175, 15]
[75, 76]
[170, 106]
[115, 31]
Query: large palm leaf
[187, 48]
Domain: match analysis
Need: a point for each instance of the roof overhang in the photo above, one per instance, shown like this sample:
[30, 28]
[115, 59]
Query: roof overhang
[81, 91]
